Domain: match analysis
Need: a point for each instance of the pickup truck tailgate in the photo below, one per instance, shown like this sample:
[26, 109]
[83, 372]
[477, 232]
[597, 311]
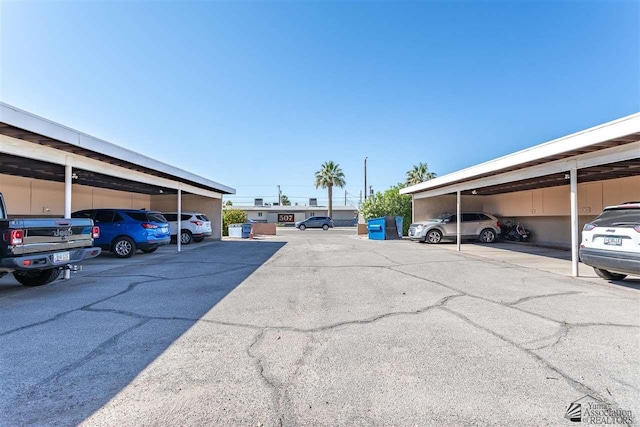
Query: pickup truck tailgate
[55, 234]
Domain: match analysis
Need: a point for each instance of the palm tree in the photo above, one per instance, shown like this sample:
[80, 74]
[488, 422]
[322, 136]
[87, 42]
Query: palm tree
[419, 173]
[328, 176]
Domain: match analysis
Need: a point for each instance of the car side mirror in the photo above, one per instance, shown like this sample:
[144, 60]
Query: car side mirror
[446, 221]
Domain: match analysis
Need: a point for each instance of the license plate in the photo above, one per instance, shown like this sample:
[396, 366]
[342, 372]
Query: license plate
[614, 241]
[61, 257]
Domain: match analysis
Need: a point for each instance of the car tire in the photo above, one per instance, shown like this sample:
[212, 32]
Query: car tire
[609, 275]
[487, 236]
[149, 251]
[123, 247]
[36, 278]
[433, 236]
[302, 227]
[325, 227]
[185, 237]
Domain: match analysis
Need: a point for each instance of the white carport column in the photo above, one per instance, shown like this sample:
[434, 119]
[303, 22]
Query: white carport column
[179, 235]
[459, 219]
[574, 222]
[68, 176]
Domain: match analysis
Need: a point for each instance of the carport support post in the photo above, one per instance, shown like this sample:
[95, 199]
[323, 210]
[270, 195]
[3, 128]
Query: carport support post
[459, 218]
[574, 222]
[68, 176]
[179, 235]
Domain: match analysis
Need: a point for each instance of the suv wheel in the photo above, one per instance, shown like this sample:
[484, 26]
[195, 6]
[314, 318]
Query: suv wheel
[302, 227]
[185, 237]
[433, 236]
[325, 227]
[124, 247]
[487, 235]
[609, 275]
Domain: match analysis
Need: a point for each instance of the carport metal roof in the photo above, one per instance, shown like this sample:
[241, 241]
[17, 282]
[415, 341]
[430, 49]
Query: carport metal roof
[611, 150]
[34, 147]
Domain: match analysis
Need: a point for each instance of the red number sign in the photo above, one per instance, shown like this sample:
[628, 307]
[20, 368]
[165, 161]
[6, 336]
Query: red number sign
[286, 218]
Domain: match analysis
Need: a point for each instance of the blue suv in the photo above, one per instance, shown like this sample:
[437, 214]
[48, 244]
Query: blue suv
[124, 231]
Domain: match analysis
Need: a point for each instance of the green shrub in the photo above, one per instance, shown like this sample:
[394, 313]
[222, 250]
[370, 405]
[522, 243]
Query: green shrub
[232, 216]
[389, 203]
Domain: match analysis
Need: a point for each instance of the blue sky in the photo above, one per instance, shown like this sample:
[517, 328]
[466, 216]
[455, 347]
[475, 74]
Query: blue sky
[258, 94]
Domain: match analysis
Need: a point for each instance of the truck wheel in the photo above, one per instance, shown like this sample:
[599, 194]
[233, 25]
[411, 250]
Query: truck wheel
[123, 247]
[36, 278]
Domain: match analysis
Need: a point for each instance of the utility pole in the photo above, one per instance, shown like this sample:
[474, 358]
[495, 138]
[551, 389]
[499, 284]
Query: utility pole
[371, 190]
[365, 178]
[279, 196]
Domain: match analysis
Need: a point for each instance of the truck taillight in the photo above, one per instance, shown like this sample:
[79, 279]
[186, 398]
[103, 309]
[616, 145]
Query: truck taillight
[148, 226]
[95, 232]
[198, 223]
[16, 237]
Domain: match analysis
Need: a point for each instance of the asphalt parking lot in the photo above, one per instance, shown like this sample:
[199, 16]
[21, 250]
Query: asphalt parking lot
[316, 328]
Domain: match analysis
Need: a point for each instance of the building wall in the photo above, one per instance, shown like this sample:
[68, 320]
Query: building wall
[546, 211]
[433, 207]
[211, 207]
[34, 197]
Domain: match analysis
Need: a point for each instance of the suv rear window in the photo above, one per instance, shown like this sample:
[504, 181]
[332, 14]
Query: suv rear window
[202, 217]
[156, 217]
[618, 217]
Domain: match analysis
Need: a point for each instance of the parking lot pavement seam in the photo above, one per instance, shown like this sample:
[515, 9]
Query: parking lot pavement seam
[276, 389]
[572, 382]
[98, 350]
[529, 298]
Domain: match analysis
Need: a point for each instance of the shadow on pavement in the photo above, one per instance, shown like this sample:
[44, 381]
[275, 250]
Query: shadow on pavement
[63, 369]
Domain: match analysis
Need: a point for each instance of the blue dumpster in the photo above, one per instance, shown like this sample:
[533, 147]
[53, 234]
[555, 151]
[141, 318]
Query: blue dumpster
[375, 228]
[246, 231]
[385, 228]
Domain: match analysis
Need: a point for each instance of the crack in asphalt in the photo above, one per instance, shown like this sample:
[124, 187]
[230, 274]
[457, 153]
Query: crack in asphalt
[129, 288]
[529, 298]
[276, 390]
[573, 383]
[561, 334]
[99, 349]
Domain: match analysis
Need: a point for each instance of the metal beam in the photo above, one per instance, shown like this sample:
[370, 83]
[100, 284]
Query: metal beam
[574, 221]
[458, 218]
[20, 148]
[609, 131]
[610, 155]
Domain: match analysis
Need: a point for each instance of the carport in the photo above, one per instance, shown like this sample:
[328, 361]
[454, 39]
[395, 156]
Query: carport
[47, 169]
[571, 177]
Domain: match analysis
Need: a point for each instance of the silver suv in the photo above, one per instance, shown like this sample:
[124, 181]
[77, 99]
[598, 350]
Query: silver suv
[323, 222]
[611, 242]
[475, 225]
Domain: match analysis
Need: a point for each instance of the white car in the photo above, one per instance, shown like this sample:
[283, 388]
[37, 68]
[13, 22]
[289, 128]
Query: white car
[475, 225]
[194, 226]
[611, 242]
